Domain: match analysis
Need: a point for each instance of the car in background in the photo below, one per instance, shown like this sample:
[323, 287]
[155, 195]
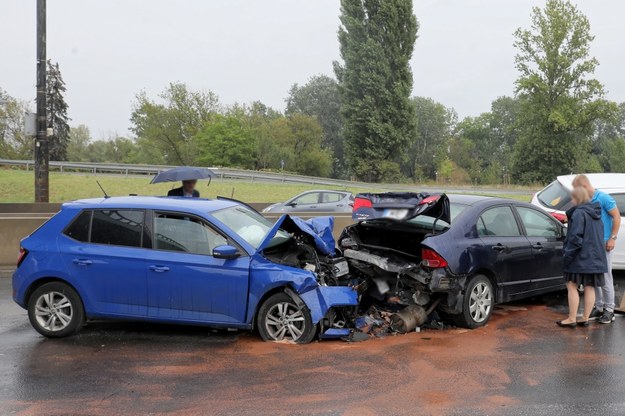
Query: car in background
[182, 260]
[555, 198]
[460, 254]
[315, 201]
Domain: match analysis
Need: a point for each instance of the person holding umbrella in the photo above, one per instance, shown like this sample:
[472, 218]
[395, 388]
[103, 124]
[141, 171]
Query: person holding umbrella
[188, 176]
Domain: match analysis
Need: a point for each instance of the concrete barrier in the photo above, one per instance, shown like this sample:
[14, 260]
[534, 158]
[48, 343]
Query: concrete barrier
[19, 220]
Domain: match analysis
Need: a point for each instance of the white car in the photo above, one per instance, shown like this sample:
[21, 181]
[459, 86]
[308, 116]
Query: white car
[555, 198]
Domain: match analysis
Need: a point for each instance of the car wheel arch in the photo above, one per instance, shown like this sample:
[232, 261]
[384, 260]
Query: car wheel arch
[490, 275]
[50, 279]
[279, 289]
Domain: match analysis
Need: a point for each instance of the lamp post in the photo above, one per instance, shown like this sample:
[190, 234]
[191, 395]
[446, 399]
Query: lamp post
[41, 142]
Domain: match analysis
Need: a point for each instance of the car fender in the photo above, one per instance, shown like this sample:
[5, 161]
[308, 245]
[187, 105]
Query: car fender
[321, 299]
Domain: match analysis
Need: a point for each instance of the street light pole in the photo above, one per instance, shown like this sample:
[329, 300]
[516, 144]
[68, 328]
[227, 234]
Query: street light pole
[41, 142]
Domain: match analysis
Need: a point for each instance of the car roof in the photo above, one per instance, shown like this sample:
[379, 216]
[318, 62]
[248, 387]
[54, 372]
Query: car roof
[152, 202]
[466, 199]
[603, 181]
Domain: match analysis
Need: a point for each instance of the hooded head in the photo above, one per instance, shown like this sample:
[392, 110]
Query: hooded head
[593, 209]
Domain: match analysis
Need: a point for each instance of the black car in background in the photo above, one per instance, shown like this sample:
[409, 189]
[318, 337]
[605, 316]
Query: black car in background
[460, 254]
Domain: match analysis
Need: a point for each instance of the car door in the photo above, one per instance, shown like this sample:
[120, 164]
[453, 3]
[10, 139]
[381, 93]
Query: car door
[546, 238]
[507, 251]
[618, 255]
[332, 202]
[308, 202]
[108, 263]
[185, 282]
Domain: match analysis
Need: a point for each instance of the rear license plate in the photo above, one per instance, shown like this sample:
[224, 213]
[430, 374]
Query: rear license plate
[395, 214]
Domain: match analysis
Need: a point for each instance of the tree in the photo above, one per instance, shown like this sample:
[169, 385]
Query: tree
[57, 113]
[376, 40]
[79, 140]
[13, 142]
[170, 125]
[226, 141]
[560, 99]
[609, 141]
[320, 98]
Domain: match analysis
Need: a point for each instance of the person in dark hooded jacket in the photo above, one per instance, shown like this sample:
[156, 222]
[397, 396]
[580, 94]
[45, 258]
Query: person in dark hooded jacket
[584, 255]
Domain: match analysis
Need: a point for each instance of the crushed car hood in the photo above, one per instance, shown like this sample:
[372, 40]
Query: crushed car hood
[319, 228]
[400, 206]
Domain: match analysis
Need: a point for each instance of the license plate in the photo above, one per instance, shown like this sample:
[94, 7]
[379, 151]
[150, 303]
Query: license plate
[341, 268]
[395, 214]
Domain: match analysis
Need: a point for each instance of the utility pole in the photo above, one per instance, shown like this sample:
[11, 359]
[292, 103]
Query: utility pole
[41, 142]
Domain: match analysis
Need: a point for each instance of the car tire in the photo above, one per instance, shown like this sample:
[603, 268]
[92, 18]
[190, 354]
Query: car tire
[55, 310]
[281, 319]
[477, 303]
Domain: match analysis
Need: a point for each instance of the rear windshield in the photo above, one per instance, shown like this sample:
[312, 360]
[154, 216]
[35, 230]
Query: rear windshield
[555, 196]
[427, 222]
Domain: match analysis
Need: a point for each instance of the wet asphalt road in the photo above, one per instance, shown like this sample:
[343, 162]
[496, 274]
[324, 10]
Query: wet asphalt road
[520, 364]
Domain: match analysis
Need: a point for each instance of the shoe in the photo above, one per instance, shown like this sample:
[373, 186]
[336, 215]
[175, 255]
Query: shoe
[570, 325]
[595, 314]
[607, 317]
[583, 324]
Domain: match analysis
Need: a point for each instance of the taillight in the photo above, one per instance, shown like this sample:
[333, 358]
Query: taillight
[559, 217]
[429, 200]
[21, 256]
[362, 203]
[432, 260]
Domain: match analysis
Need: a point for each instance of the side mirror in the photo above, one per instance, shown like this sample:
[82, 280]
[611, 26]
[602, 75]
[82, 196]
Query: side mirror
[291, 204]
[226, 252]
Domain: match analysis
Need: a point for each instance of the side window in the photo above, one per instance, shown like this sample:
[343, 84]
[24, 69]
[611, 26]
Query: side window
[332, 197]
[310, 198]
[179, 232]
[620, 203]
[498, 222]
[117, 227]
[79, 228]
[537, 224]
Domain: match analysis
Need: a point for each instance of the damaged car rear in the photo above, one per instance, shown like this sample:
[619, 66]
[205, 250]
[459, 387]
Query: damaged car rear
[459, 255]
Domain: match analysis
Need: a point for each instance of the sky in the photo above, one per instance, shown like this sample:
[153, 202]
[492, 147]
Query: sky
[246, 50]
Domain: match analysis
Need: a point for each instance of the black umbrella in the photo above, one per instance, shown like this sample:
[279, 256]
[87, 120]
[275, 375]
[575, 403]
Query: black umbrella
[182, 173]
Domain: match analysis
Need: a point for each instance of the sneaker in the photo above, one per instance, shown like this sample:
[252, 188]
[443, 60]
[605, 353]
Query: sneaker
[595, 314]
[607, 317]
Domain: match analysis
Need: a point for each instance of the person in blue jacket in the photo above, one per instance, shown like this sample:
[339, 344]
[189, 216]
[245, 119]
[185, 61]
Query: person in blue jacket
[584, 255]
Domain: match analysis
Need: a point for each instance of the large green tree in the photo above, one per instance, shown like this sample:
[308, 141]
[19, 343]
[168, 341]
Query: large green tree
[226, 141]
[57, 112]
[376, 40]
[170, 124]
[14, 144]
[320, 98]
[561, 100]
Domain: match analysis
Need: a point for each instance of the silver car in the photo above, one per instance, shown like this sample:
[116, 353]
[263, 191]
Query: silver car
[315, 201]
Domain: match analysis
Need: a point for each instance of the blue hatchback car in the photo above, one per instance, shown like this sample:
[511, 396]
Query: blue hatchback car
[174, 260]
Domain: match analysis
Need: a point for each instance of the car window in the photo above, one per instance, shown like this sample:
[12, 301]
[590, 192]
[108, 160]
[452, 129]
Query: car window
[330, 197]
[620, 203]
[310, 198]
[79, 228]
[428, 222]
[537, 224]
[117, 227]
[555, 196]
[498, 222]
[179, 232]
[249, 225]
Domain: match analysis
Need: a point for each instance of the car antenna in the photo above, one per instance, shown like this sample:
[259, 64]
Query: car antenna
[103, 191]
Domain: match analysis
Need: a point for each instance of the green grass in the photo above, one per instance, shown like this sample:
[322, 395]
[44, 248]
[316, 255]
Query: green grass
[18, 186]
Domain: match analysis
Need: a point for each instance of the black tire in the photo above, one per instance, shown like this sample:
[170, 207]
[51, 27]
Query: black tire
[477, 303]
[65, 316]
[272, 328]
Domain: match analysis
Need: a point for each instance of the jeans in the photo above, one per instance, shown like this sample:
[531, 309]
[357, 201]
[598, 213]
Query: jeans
[605, 294]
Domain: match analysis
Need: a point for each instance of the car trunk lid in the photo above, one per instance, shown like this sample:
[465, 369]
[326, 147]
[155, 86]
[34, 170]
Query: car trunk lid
[400, 206]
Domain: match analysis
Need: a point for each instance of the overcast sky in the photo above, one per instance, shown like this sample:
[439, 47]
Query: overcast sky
[246, 50]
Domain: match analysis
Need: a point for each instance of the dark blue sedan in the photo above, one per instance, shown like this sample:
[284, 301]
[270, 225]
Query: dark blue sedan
[182, 260]
[461, 254]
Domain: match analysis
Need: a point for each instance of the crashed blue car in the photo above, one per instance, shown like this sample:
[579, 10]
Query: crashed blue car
[190, 261]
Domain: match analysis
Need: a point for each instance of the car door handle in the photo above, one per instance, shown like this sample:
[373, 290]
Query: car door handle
[537, 246]
[82, 262]
[159, 269]
[499, 247]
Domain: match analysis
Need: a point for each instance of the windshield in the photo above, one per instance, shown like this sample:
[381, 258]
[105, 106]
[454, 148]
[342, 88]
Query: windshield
[427, 222]
[555, 196]
[249, 225]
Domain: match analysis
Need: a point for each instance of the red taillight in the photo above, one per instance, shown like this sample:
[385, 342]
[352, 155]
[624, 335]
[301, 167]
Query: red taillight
[432, 260]
[559, 217]
[429, 200]
[362, 203]
[21, 256]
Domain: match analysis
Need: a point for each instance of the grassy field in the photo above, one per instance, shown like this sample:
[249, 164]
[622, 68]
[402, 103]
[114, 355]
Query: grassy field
[17, 186]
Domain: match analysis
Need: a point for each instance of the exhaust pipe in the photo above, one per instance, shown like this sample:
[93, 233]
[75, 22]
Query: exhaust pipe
[408, 319]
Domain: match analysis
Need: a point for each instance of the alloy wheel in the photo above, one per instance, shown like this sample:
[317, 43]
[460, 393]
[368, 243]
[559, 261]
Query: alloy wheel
[480, 302]
[53, 311]
[284, 321]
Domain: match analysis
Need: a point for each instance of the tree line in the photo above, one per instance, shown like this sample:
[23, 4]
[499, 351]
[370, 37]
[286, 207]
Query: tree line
[363, 122]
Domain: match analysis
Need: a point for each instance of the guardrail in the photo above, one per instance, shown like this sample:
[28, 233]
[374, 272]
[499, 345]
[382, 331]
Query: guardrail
[251, 175]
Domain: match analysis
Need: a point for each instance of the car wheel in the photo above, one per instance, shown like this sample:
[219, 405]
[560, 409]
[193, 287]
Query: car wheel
[281, 319]
[55, 310]
[477, 304]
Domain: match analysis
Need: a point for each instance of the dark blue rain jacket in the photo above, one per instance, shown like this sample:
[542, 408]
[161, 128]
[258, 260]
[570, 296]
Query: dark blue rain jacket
[584, 248]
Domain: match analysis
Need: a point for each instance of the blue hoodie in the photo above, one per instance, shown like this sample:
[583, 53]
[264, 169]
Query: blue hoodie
[584, 248]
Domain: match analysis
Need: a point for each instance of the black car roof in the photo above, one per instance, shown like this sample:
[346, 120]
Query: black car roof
[465, 199]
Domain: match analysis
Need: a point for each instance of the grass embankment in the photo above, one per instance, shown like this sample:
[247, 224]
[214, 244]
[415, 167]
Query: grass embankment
[18, 186]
